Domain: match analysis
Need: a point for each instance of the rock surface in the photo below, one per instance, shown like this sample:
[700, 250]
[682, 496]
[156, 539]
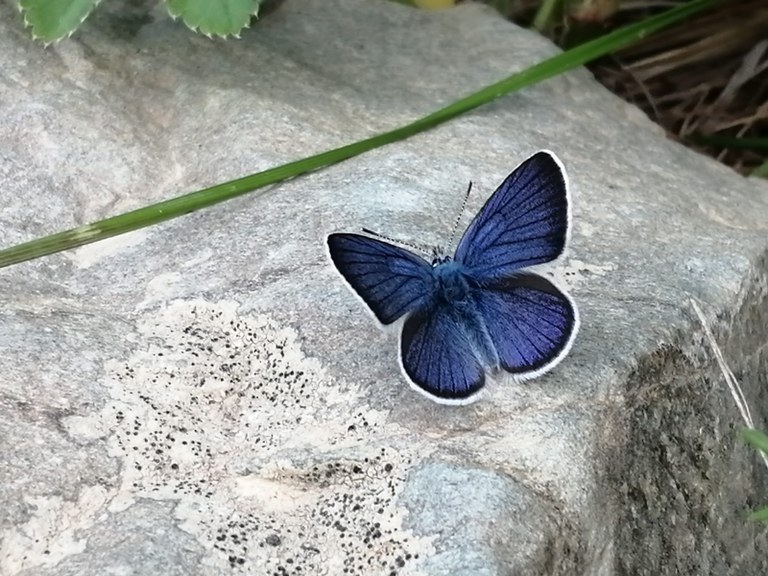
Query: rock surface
[205, 397]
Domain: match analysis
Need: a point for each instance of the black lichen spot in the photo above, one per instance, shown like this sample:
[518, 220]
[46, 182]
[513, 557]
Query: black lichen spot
[273, 540]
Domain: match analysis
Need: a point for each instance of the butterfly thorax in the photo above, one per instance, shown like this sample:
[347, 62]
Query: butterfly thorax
[452, 285]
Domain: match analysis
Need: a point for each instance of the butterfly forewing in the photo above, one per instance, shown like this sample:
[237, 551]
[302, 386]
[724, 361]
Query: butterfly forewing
[389, 279]
[524, 223]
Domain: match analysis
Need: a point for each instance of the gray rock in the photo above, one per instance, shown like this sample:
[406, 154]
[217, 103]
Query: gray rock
[205, 397]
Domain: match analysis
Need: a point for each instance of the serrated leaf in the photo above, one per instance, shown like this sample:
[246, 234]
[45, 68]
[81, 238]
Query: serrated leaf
[755, 438]
[52, 20]
[215, 17]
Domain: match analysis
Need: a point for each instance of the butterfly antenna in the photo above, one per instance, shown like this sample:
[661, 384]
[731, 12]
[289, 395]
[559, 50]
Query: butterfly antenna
[461, 213]
[396, 241]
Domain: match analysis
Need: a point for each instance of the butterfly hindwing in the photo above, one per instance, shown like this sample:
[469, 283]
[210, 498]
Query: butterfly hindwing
[530, 321]
[525, 222]
[437, 357]
[389, 279]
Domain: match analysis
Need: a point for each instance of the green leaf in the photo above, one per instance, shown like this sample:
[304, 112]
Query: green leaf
[215, 17]
[760, 515]
[182, 205]
[52, 20]
[755, 438]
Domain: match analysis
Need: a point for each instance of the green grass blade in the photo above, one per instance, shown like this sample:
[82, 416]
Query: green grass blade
[733, 142]
[546, 14]
[194, 201]
[761, 171]
[760, 441]
[760, 515]
[755, 438]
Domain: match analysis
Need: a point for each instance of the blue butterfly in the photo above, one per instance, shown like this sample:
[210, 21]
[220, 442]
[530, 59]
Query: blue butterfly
[481, 310]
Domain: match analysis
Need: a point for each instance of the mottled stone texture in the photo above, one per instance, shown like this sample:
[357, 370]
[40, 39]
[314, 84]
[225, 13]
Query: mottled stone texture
[206, 397]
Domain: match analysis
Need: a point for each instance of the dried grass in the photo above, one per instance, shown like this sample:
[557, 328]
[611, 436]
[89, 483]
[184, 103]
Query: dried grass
[704, 78]
[707, 77]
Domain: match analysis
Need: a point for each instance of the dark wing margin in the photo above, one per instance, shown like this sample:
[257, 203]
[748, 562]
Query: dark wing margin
[390, 280]
[525, 222]
[532, 323]
[438, 360]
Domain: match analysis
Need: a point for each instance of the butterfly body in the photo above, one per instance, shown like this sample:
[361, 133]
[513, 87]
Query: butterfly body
[480, 310]
[453, 296]
[451, 284]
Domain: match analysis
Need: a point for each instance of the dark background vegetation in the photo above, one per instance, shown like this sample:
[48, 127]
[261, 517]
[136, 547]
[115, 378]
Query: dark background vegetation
[705, 81]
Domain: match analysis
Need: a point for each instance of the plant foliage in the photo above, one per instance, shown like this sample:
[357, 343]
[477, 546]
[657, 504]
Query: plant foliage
[51, 20]
[215, 17]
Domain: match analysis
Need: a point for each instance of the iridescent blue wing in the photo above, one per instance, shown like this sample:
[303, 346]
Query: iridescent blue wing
[389, 279]
[525, 222]
[438, 359]
[531, 322]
